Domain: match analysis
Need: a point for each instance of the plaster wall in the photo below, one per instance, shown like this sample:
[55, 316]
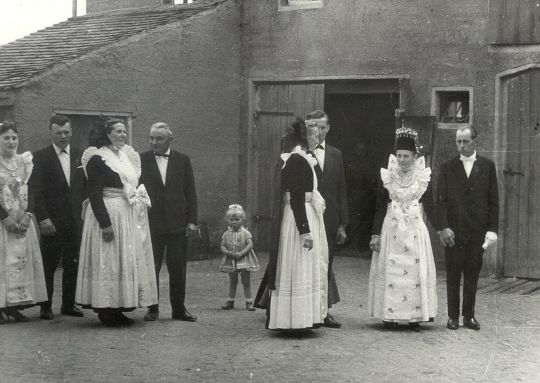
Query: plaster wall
[187, 74]
[94, 6]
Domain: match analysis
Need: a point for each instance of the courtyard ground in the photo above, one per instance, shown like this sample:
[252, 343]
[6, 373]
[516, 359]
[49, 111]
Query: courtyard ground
[233, 346]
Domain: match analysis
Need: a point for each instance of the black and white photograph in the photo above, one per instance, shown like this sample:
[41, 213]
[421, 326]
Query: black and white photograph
[269, 191]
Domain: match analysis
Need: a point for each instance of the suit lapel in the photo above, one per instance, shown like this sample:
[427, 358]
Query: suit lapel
[57, 166]
[154, 169]
[73, 157]
[328, 160]
[459, 171]
[170, 164]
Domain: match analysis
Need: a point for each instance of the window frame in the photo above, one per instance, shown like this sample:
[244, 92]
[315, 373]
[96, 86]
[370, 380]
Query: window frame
[436, 104]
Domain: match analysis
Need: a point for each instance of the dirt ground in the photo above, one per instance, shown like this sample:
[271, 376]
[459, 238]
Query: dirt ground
[233, 346]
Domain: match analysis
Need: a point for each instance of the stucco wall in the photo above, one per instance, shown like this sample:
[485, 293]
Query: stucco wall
[435, 42]
[187, 74]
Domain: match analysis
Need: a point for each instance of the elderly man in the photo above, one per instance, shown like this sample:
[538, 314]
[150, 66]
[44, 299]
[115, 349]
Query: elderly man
[168, 178]
[58, 184]
[333, 189]
[468, 216]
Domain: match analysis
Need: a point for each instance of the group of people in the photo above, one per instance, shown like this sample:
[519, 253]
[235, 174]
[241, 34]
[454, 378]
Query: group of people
[92, 210]
[299, 285]
[111, 215]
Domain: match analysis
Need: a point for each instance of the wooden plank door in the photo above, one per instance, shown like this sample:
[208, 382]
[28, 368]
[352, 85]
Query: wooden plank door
[276, 106]
[520, 175]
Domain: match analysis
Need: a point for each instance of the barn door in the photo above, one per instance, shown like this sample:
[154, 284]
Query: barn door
[521, 176]
[276, 106]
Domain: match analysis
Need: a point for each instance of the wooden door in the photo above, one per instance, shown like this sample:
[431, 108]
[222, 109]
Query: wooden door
[276, 106]
[521, 176]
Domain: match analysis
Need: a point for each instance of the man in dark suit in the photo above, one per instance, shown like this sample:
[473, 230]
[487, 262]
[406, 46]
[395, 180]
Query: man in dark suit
[58, 184]
[333, 189]
[168, 178]
[468, 216]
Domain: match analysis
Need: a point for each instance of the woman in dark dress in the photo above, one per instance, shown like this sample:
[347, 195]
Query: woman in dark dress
[116, 267]
[299, 300]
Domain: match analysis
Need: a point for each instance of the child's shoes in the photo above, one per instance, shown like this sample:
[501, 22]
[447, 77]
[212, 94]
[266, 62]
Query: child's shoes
[249, 306]
[229, 305]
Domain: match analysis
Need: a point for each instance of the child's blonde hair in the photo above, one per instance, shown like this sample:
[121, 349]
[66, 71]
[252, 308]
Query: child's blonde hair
[236, 209]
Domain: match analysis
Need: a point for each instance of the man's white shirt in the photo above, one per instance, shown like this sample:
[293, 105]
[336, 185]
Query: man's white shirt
[320, 153]
[468, 162]
[63, 156]
[162, 163]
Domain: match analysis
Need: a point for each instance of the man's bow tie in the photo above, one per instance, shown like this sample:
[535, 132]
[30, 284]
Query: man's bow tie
[467, 159]
[161, 155]
[319, 147]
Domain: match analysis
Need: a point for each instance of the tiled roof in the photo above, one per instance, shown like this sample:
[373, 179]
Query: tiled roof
[29, 56]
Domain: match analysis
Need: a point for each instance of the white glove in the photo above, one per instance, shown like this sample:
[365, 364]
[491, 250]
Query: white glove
[491, 238]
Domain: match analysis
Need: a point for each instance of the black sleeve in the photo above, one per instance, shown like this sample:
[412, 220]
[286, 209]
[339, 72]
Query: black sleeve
[380, 209]
[190, 193]
[3, 213]
[441, 200]
[36, 187]
[429, 206]
[493, 200]
[297, 176]
[96, 171]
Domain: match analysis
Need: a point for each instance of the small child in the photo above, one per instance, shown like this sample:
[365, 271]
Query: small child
[238, 256]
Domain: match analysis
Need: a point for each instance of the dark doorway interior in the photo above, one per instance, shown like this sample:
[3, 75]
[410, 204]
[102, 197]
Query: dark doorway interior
[362, 127]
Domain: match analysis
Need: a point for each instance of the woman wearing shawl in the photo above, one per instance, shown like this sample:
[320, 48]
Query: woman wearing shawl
[116, 266]
[299, 300]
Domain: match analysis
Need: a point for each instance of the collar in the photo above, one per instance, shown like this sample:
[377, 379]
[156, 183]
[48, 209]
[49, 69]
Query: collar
[58, 149]
[471, 158]
[167, 153]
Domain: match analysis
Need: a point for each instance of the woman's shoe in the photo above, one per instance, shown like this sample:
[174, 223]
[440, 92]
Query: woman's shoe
[229, 305]
[124, 320]
[249, 306]
[16, 315]
[389, 325]
[108, 319]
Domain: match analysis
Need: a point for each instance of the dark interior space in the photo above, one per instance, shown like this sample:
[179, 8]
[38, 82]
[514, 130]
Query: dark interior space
[362, 127]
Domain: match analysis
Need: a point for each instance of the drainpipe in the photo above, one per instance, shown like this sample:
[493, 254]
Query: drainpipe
[74, 8]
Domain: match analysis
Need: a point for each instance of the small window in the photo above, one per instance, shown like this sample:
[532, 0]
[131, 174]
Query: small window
[292, 5]
[452, 106]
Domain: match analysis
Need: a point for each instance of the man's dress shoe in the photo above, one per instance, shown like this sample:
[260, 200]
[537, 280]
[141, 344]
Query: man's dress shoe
[46, 314]
[151, 316]
[452, 324]
[471, 323]
[185, 316]
[72, 311]
[329, 321]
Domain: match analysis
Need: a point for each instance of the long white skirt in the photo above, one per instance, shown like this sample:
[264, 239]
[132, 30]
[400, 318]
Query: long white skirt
[119, 273]
[402, 279]
[22, 282]
[301, 296]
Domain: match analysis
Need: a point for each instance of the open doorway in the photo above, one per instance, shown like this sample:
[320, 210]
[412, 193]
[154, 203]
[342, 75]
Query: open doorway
[363, 128]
